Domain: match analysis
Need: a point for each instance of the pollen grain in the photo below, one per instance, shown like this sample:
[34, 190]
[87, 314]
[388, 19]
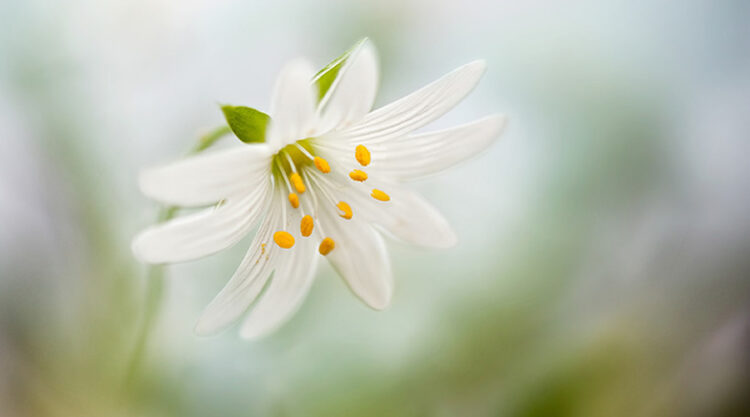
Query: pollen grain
[322, 165]
[294, 200]
[283, 239]
[297, 182]
[379, 195]
[358, 175]
[306, 226]
[345, 209]
[362, 154]
[326, 246]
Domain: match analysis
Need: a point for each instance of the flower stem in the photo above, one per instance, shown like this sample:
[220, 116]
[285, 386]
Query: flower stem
[154, 291]
[155, 278]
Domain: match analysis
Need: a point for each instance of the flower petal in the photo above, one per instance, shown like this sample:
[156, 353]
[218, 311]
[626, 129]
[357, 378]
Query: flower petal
[246, 283]
[203, 233]
[353, 91]
[417, 109]
[419, 155]
[292, 105]
[288, 288]
[206, 179]
[407, 216]
[360, 258]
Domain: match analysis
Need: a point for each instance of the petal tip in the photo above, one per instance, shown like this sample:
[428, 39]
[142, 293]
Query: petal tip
[479, 66]
[139, 248]
[499, 121]
[203, 329]
[254, 333]
[450, 240]
[380, 301]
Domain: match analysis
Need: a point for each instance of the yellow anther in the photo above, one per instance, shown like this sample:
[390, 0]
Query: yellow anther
[345, 209]
[326, 246]
[283, 239]
[297, 182]
[358, 175]
[362, 155]
[322, 165]
[379, 195]
[294, 200]
[306, 226]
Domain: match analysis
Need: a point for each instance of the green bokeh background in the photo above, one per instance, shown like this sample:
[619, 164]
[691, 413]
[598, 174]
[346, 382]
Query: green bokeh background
[603, 264]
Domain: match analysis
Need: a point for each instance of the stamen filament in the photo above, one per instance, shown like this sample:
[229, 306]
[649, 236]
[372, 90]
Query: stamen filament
[304, 151]
[313, 193]
[315, 179]
[290, 160]
[286, 180]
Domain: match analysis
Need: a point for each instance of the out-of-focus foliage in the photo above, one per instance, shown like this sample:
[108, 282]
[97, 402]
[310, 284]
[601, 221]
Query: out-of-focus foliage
[602, 269]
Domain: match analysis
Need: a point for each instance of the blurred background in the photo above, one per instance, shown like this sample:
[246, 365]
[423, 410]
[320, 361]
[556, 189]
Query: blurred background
[603, 267]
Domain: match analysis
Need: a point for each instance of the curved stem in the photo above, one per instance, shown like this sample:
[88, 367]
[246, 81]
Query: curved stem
[154, 291]
[155, 277]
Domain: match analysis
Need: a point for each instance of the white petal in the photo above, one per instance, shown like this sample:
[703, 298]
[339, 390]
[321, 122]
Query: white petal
[246, 283]
[352, 93]
[292, 105]
[361, 259]
[407, 217]
[419, 155]
[417, 109]
[288, 288]
[206, 179]
[203, 233]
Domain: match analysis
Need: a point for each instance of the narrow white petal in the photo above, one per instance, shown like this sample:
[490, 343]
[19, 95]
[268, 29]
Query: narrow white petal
[417, 109]
[208, 178]
[407, 216]
[289, 285]
[352, 93]
[247, 281]
[203, 233]
[292, 105]
[419, 155]
[360, 258]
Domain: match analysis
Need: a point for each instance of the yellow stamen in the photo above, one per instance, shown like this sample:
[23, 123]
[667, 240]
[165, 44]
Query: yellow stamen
[326, 246]
[297, 182]
[322, 165]
[283, 239]
[379, 195]
[294, 200]
[358, 175]
[306, 226]
[345, 209]
[362, 155]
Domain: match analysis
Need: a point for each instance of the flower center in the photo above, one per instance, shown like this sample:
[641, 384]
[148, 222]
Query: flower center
[298, 168]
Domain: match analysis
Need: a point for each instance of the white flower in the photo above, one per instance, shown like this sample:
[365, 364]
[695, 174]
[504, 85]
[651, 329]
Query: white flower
[329, 172]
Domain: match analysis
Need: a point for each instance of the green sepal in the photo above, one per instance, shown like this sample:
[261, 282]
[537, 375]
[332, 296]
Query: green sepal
[325, 77]
[247, 123]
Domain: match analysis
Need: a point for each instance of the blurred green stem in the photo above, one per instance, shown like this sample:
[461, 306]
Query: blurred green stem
[156, 274]
[210, 138]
